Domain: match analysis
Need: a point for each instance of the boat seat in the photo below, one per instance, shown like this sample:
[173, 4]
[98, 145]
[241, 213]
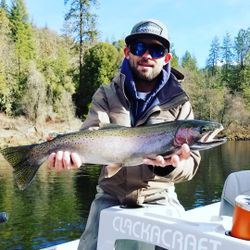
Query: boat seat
[236, 183]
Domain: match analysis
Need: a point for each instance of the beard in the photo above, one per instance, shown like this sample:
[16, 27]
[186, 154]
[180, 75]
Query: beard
[144, 75]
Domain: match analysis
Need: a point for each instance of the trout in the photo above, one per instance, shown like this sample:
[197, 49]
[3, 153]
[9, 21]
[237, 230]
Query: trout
[113, 144]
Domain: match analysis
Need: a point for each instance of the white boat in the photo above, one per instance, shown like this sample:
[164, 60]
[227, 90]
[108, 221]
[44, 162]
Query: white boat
[202, 228]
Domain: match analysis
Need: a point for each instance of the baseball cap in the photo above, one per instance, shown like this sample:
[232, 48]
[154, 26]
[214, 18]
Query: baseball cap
[149, 28]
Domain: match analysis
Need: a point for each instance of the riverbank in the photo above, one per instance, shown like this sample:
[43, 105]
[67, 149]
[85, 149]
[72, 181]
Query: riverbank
[20, 131]
[235, 132]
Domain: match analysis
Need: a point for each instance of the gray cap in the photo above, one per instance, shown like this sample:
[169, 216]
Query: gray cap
[149, 28]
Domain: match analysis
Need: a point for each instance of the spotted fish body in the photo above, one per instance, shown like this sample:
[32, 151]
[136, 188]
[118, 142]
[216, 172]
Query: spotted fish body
[114, 144]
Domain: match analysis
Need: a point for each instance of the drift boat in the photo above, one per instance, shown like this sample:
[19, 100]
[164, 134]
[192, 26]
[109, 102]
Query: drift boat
[207, 228]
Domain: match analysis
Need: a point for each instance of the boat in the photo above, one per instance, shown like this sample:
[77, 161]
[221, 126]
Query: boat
[202, 228]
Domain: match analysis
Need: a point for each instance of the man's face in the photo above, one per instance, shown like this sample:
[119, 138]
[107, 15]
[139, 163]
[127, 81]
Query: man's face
[147, 66]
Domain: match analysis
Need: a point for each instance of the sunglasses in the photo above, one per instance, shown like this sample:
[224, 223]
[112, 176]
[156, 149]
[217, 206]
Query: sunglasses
[155, 50]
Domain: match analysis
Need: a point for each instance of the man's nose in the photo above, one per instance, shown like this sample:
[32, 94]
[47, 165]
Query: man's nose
[147, 54]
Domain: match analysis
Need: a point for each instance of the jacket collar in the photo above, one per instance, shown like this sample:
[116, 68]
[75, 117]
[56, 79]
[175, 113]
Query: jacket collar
[166, 90]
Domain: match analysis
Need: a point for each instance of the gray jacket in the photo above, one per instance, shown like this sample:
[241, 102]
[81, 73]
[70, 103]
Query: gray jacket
[142, 183]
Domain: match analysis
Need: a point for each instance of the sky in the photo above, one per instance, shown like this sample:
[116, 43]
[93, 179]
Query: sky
[192, 24]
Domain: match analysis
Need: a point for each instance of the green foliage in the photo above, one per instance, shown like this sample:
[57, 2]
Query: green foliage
[100, 64]
[233, 74]
[214, 57]
[21, 32]
[7, 84]
[175, 58]
[227, 59]
[207, 99]
[34, 98]
[189, 62]
[242, 45]
[4, 6]
[120, 45]
[55, 61]
[245, 76]
[81, 22]
[21, 36]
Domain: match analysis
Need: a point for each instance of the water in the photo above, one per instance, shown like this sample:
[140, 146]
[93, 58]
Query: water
[55, 207]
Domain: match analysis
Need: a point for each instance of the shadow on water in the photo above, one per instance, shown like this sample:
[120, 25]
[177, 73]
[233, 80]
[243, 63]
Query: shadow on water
[55, 207]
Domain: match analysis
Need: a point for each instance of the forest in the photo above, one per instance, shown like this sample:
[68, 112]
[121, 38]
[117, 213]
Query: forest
[46, 76]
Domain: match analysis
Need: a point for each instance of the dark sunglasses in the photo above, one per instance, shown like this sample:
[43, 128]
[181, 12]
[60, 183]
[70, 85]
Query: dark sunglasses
[155, 50]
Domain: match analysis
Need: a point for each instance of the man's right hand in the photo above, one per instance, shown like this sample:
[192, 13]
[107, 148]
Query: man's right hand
[64, 160]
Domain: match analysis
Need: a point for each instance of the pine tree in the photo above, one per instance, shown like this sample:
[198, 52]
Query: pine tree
[214, 56]
[189, 62]
[7, 84]
[242, 46]
[81, 23]
[21, 33]
[227, 58]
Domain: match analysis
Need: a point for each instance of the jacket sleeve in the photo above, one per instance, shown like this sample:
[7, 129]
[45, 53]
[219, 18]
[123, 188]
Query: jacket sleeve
[98, 111]
[187, 168]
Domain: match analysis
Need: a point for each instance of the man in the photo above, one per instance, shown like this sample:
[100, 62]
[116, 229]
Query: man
[145, 91]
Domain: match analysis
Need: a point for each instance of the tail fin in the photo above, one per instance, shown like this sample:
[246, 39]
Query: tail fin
[25, 166]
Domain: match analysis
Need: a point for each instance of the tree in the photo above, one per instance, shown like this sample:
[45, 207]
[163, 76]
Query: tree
[8, 85]
[227, 58]
[120, 45]
[189, 62]
[21, 34]
[34, 99]
[4, 5]
[214, 56]
[56, 62]
[100, 64]
[242, 46]
[175, 59]
[81, 23]
[21, 31]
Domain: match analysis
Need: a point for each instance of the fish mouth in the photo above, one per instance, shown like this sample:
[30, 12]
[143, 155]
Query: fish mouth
[209, 140]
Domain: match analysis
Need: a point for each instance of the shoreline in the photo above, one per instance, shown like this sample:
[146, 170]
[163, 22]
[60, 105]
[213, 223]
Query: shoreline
[19, 131]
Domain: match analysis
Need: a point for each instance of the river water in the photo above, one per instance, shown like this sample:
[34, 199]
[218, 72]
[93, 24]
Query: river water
[55, 207]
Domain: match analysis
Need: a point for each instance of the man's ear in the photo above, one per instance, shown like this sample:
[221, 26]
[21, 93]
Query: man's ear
[126, 52]
[168, 57]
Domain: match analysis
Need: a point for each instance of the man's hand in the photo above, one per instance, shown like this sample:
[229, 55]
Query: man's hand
[182, 154]
[64, 160]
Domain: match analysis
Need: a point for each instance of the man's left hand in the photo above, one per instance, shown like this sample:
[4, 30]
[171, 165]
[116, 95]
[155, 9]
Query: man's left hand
[174, 159]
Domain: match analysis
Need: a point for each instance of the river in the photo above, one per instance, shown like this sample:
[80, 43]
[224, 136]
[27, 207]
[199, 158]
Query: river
[55, 207]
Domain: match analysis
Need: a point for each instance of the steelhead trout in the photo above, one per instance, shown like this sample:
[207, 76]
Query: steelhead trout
[115, 144]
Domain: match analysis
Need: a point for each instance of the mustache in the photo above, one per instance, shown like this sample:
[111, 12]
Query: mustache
[145, 61]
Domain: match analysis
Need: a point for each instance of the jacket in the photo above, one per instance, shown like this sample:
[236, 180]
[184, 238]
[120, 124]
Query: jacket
[138, 184]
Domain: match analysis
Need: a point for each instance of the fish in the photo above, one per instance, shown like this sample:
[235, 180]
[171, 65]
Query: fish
[114, 144]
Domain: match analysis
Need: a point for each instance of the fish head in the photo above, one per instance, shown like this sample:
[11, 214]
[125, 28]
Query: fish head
[199, 134]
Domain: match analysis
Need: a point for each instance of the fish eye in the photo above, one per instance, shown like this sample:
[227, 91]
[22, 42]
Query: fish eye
[203, 129]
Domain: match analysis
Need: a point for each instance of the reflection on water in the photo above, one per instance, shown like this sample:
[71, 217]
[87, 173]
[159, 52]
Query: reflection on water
[55, 207]
[216, 165]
